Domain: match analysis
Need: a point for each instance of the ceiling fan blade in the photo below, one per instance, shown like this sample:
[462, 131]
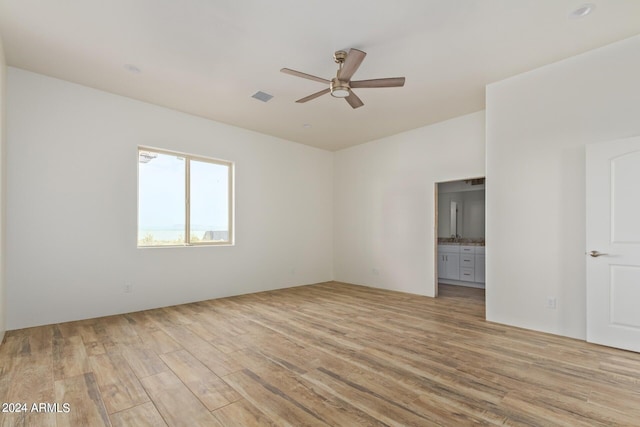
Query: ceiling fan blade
[314, 95]
[351, 64]
[390, 82]
[354, 101]
[304, 75]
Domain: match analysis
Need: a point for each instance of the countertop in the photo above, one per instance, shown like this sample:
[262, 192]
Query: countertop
[461, 242]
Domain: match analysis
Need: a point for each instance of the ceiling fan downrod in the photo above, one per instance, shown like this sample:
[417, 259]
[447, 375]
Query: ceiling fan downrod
[339, 88]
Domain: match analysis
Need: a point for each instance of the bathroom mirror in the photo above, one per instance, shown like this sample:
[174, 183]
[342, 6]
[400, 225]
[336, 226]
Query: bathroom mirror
[460, 213]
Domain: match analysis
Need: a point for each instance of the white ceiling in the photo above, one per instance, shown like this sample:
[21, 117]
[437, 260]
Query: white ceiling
[207, 57]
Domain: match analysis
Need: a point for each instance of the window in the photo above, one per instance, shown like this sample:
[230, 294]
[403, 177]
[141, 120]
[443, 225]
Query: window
[183, 200]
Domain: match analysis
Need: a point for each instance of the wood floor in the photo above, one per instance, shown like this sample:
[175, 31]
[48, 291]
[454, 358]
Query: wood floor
[326, 354]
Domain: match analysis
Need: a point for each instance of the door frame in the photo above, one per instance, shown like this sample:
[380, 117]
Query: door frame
[436, 194]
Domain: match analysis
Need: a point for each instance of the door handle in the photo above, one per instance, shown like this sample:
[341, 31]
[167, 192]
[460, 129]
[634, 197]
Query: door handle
[596, 254]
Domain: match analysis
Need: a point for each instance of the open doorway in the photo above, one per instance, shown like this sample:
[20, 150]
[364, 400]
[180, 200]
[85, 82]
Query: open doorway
[460, 233]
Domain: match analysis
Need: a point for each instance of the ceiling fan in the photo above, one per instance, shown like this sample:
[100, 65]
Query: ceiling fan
[340, 86]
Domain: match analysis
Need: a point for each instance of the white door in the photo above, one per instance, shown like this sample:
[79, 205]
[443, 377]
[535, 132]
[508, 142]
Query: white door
[613, 243]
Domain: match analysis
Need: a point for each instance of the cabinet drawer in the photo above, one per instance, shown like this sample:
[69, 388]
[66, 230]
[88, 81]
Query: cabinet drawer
[449, 249]
[467, 260]
[467, 274]
[467, 249]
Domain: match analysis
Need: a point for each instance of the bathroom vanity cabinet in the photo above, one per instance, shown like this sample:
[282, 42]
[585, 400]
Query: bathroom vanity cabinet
[460, 264]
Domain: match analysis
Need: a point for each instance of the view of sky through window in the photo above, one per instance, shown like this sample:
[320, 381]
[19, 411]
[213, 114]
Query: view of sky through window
[162, 193]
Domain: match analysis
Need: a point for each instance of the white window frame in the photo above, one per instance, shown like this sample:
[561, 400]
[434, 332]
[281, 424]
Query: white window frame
[187, 202]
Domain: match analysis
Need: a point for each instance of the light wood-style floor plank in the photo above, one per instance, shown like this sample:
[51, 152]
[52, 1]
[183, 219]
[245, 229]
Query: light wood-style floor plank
[177, 405]
[143, 360]
[145, 415]
[31, 382]
[204, 384]
[159, 341]
[242, 414]
[69, 357]
[329, 354]
[119, 386]
[85, 402]
[276, 403]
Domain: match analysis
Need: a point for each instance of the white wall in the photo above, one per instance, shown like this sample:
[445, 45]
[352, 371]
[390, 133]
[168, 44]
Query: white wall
[537, 126]
[384, 222]
[71, 207]
[3, 103]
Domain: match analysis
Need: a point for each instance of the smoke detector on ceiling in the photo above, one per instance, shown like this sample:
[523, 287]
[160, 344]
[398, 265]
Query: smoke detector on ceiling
[582, 11]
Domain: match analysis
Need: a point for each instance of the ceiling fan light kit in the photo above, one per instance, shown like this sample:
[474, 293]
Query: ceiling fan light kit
[340, 86]
[339, 89]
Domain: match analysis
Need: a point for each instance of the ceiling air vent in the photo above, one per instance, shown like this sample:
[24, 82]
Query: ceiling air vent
[262, 96]
[475, 181]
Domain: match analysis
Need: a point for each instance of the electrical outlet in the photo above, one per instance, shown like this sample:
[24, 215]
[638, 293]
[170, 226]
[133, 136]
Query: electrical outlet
[128, 288]
[552, 303]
